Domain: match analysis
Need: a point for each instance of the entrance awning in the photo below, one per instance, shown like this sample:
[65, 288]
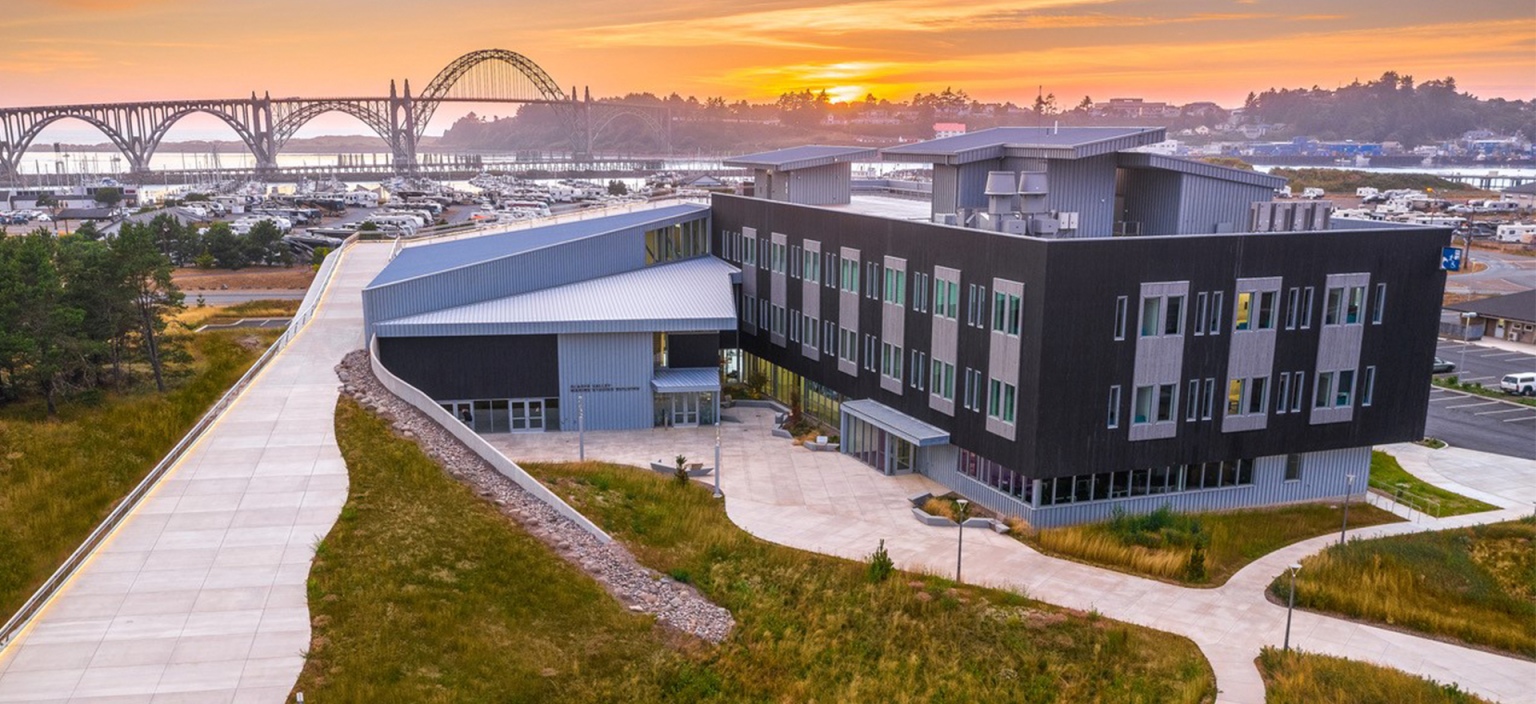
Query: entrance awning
[897, 423]
[684, 381]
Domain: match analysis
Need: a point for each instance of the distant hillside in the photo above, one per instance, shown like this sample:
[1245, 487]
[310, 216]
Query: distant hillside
[1391, 108]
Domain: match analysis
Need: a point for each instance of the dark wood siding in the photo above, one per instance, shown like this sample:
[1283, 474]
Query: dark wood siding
[701, 350]
[497, 366]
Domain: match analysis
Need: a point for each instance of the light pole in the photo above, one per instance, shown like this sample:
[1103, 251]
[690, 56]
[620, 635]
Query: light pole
[1291, 604]
[960, 547]
[581, 428]
[717, 456]
[1348, 491]
[1466, 319]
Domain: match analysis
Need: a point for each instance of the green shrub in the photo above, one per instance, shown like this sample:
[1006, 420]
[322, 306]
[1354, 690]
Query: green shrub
[880, 565]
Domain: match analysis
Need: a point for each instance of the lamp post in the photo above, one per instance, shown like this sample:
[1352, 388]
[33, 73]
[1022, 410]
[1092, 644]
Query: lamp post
[1290, 605]
[581, 428]
[960, 547]
[1348, 491]
[717, 456]
[1466, 320]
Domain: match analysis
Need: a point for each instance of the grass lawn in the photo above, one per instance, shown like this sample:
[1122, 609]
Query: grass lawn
[1307, 678]
[59, 478]
[423, 592]
[1387, 475]
[194, 316]
[1161, 545]
[1476, 584]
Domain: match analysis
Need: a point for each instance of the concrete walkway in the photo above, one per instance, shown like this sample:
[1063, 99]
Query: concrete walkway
[199, 596]
[830, 503]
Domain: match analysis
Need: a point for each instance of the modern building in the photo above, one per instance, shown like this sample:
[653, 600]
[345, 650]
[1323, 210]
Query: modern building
[1071, 328]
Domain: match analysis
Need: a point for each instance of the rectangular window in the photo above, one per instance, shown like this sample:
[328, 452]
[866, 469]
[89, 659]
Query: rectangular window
[1167, 400]
[1368, 387]
[999, 309]
[1306, 308]
[1192, 401]
[1293, 468]
[1333, 306]
[1141, 411]
[1345, 389]
[1324, 391]
[1208, 403]
[1173, 324]
[1201, 301]
[1258, 399]
[1355, 305]
[994, 397]
[954, 300]
[1379, 305]
[1284, 395]
[1242, 318]
[1010, 400]
[831, 270]
[1114, 406]
[1235, 396]
[1214, 327]
[1151, 316]
[1298, 393]
[1266, 318]
[1120, 305]
[1292, 303]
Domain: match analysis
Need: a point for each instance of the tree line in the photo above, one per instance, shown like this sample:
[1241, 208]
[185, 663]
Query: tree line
[1391, 108]
[214, 246]
[80, 313]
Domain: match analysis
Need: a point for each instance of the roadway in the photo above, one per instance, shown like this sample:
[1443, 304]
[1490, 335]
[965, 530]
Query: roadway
[1506, 273]
[1475, 422]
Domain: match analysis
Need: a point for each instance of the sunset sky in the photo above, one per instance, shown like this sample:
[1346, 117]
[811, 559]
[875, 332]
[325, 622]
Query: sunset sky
[76, 51]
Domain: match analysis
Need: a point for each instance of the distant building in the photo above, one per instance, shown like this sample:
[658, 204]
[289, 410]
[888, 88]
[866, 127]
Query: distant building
[1511, 317]
[1524, 194]
[1134, 108]
[948, 129]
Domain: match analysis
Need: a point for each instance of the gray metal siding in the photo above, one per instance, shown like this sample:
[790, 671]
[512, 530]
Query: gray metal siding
[777, 283]
[1208, 205]
[945, 342]
[1148, 194]
[614, 373]
[565, 263]
[1159, 359]
[1252, 352]
[1086, 187]
[848, 314]
[946, 181]
[1338, 346]
[893, 326]
[822, 185]
[1004, 353]
[810, 298]
[1323, 477]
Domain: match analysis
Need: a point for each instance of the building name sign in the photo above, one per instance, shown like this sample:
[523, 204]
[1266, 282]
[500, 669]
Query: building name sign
[597, 388]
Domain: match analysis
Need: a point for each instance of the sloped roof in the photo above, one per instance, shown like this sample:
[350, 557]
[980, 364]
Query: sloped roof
[802, 157]
[689, 295]
[1028, 142]
[1515, 306]
[1146, 160]
[893, 421]
[434, 258]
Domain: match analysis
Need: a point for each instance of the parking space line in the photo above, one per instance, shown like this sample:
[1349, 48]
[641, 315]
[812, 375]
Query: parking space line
[1517, 420]
[1479, 378]
[1502, 410]
[1473, 405]
[1447, 397]
[1496, 354]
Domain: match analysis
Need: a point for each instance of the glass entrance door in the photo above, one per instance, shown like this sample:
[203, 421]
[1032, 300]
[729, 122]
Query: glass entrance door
[528, 414]
[685, 410]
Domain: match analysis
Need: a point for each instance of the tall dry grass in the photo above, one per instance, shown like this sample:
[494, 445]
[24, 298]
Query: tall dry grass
[1100, 547]
[1296, 677]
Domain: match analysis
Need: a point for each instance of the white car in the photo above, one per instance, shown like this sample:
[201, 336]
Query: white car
[1521, 384]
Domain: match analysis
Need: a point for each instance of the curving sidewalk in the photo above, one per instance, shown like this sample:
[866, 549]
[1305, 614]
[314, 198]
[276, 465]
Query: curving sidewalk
[829, 503]
[199, 595]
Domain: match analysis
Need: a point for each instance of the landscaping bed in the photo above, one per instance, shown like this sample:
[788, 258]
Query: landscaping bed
[1388, 476]
[1296, 677]
[1476, 585]
[1199, 549]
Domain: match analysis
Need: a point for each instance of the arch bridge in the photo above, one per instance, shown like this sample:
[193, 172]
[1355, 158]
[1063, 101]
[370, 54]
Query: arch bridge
[265, 124]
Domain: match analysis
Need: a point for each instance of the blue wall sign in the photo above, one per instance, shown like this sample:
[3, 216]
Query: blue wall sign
[1450, 258]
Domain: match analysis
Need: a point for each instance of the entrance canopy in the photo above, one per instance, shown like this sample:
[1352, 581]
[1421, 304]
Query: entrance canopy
[896, 423]
[684, 381]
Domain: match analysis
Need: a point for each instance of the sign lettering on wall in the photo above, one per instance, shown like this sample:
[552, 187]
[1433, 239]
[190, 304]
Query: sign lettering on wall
[596, 388]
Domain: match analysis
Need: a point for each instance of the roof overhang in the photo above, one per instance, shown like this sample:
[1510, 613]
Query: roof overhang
[896, 423]
[1147, 160]
[683, 381]
[806, 157]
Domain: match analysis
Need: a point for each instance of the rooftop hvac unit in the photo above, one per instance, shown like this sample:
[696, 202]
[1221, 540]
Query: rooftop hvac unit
[1043, 225]
[945, 218]
[1001, 190]
[1033, 187]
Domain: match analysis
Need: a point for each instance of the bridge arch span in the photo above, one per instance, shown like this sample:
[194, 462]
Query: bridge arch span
[605, 115]
[476, 75]
[152, 142]
[30, 133]
[288, 123]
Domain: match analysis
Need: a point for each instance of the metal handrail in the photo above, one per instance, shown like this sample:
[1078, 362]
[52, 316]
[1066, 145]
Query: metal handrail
[44, 592]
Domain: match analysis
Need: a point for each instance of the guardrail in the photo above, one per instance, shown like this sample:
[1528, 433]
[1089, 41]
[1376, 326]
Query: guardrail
[476, 444]
[302, 316]
[1414, 502]
[530, 223]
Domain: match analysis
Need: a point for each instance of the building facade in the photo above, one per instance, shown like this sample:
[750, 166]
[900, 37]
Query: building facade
[1078, 328]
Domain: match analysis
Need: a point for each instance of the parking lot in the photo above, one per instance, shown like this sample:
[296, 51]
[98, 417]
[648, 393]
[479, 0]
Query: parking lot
[1479, 423]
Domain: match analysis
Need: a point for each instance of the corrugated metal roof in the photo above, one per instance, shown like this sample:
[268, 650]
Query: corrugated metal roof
[413, 262]
[688, 295]
[893, 421]
[803, 157]
[681, 381]
[1515, 306]
[1144, 160]
[1038, 142]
